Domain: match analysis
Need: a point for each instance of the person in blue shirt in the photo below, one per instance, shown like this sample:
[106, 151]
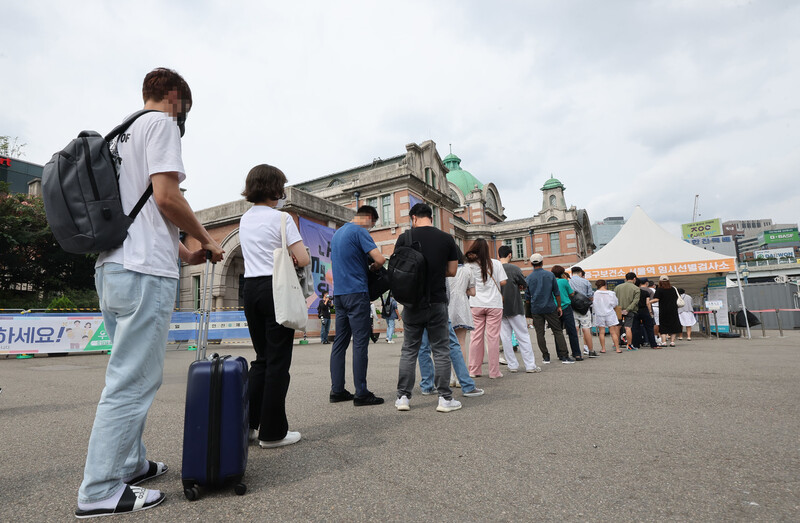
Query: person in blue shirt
[350, 246]
[545, 298]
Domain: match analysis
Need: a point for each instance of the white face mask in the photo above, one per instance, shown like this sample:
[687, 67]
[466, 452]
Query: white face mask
[281, 203]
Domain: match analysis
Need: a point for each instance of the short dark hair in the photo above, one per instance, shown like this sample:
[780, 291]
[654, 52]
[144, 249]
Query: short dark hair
[161, 81]
[599, 283]
[421, 210]
[557, 271]
[264, 182]
[576, 270]
[368, 210]
[630, 276]
[504, 251]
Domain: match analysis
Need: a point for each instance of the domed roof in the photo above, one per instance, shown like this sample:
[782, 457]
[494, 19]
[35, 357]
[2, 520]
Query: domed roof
[458, 176]
[552, 183]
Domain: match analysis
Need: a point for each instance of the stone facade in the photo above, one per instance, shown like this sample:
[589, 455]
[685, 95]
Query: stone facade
[463, 207]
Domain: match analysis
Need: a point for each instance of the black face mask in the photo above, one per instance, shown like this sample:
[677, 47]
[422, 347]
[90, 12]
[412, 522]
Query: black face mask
[181, 118]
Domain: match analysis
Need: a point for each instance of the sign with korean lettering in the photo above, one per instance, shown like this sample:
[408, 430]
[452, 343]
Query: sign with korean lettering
[33, 334]
[701, 229]
[655, 270]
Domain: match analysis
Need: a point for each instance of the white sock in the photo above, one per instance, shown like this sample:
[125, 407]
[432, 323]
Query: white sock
[112, 501]
[144, 468]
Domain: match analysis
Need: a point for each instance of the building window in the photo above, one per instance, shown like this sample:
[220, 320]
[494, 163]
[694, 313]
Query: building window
[520, 243]
[372, 202]
[433, 179]
[427, 175]
[555, 243]
[552, 200]
[435, 216]
[552, 219]
[196, 291]
[387, 216]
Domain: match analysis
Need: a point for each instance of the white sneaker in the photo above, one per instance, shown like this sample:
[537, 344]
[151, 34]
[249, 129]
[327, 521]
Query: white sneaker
[513, 370]
[402, 403]
[253, 435]
[447, 405]
[534, 369]
[503, 361]
[389, 341]
[291, 437]
[586, 349]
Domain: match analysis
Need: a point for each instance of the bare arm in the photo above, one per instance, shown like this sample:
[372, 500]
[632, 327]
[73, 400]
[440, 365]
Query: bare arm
[176, 209]
[299, 254]
[471, 291]
[377, 259]
[452, 268]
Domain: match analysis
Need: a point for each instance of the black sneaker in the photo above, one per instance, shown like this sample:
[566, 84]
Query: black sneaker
[546, 361]
[578, 358]
[567, 360]
[593, 354]
[365, 401]
[336, 397]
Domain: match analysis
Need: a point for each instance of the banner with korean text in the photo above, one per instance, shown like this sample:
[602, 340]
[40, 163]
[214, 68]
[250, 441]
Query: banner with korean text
[34, 334]
[318, 240]
[671, 269]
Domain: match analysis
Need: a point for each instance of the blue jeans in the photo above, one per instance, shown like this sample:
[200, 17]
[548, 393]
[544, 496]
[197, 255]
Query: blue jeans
[325, 327]
[389, 329]
[456, 357]
[136, 310]
[352, 319]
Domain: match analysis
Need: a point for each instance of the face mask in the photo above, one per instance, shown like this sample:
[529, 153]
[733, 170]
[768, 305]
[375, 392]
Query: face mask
[181, 118]
[281, 203]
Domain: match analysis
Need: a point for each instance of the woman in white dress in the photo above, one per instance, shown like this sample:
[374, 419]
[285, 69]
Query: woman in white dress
[686, 315]
[461, 286]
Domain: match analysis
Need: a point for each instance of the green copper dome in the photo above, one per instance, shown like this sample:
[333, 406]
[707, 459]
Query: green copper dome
[458, 176]
[552, 183]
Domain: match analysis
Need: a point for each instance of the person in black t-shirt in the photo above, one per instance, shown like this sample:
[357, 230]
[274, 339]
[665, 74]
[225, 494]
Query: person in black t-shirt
[441, 257]
[324, 311]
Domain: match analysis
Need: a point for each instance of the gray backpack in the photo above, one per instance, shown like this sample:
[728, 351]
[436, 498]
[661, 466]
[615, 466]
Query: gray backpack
[80, 189]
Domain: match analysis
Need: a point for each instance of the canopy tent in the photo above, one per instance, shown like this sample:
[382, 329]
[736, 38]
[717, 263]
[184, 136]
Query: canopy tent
[644, 247]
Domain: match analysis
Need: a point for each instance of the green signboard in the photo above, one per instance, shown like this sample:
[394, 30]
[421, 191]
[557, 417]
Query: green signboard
[779, 236]
[701, 229]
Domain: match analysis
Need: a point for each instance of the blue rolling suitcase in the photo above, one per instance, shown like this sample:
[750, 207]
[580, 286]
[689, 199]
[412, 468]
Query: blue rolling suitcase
[216, 424]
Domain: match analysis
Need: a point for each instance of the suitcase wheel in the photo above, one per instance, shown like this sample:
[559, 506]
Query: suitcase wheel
[192, 494]
[240, 489]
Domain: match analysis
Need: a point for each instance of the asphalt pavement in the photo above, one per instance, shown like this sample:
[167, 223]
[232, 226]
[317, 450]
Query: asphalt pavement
[706, 431]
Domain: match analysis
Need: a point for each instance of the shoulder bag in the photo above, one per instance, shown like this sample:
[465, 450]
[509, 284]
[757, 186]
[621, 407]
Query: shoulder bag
[680, 301]
[290, 304]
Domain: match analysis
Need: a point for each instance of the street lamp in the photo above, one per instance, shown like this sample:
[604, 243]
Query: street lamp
[744, 271]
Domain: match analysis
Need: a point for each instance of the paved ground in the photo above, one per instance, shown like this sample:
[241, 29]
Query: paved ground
[707, 431]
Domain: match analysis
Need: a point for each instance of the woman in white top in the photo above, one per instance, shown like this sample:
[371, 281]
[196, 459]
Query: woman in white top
[260, 235]
[461, 287]
[686, 315]
[486, 307]
[603, 304]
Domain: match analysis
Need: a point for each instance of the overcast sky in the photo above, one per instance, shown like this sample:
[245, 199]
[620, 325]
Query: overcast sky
[626, 103]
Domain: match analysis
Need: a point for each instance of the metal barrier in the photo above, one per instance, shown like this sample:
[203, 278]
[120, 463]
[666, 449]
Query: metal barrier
[777, 316]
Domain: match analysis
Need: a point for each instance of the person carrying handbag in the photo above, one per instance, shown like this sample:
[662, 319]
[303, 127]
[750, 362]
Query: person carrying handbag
[266, 234]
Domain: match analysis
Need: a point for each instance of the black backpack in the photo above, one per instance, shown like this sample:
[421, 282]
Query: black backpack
[80, 189]
[408, 273]
[386, 306]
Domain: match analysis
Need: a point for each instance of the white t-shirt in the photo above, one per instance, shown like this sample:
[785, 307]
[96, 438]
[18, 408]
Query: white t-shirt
[604, 302]
[487, 294]
[151, 145]
[260, 235]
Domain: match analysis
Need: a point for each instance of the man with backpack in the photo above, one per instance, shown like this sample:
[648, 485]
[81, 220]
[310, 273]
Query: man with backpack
[389, 313]
[136, 284]
[428, 310]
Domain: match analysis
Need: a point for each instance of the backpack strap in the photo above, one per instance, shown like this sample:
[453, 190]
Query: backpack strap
[116, 131]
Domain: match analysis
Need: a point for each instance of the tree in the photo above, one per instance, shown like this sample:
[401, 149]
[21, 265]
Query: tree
[11, 148]
[30, 258]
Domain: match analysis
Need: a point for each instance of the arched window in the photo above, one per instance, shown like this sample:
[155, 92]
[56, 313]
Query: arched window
[491, 202]
[335, 182]
[552, 200]
[552, 218]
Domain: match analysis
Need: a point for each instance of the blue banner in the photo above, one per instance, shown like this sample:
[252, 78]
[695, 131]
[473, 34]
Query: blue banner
[318, 240]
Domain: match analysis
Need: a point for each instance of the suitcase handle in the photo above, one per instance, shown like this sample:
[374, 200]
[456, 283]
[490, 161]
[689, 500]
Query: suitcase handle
[205, 313]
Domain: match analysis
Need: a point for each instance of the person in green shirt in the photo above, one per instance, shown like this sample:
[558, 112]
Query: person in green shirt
[567, 316]
[628, 295]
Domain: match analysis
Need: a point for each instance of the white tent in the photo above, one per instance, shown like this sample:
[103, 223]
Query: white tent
[644, 247]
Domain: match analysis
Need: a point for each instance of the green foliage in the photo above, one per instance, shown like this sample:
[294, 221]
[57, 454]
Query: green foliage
[31, 261]
[62, 302]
